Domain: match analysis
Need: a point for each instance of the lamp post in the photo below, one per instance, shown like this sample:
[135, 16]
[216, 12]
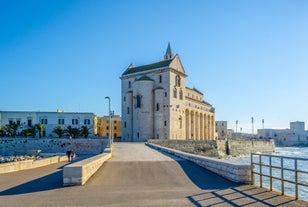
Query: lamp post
[109, 114]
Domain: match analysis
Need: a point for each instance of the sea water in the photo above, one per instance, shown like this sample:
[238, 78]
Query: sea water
[299, 152]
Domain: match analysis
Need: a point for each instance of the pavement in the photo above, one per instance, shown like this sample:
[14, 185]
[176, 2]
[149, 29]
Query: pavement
[136, 175]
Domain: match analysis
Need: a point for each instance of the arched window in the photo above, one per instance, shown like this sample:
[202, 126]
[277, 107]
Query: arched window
[174, 92]
[181, 94]
[177, 80]
[138, 101]
[180, 119]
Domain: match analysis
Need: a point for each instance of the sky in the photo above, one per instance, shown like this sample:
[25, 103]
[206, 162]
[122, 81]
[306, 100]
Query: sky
[249, 58]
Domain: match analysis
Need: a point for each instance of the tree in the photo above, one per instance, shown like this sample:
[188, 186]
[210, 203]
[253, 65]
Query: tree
[40, 127]
[59, 130]
[32, 131]
[9, 130]
[73, 132]
[2, 131]
[85, 131]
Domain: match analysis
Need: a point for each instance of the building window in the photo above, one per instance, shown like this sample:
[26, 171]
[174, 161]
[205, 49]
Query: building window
[29, 122]
[157, 136]
[138, 135]
[129, 84]
[10, 122]
[125, 124]
[160, 79]
[177, 80]
[157, 107]
[138, 101]
[107, 127]
[127, 110]
[180, 119]
[115, 121]
[86, 122]
[43, 121]
[74, 121]
[165, 123]
[174, 92]
[166, 94]
[181, 94]
[18, 122]
[60, 121]
[115, 128]
[124, 98]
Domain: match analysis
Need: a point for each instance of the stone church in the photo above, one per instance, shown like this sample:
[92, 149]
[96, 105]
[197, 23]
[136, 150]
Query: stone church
[157, 104]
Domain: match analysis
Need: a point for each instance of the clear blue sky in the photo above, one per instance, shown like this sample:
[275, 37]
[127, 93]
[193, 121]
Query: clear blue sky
[249, 58]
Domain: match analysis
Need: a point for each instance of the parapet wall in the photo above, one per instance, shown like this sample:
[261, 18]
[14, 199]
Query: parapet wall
[218, 148]
[30, 164]
[13, 146]
[240, 173]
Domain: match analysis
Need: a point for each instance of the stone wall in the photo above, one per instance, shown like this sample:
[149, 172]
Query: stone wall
[13, 146]
[219, 148]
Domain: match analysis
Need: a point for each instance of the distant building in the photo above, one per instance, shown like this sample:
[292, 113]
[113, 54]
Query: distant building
[157, 104]
[221, 129]
[103, 126]
[296, 135]
[50, 120]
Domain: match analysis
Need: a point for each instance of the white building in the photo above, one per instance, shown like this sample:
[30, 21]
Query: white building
[222, 129]
[156, 103]
[296, 135]
[50, 120]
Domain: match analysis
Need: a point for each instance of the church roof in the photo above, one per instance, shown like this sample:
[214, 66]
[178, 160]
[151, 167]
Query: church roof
[160, 64]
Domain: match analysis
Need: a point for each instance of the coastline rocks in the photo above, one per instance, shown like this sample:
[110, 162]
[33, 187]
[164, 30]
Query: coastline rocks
[6, 159]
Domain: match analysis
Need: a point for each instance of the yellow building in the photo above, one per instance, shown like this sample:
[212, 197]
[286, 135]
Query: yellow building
[103, 126]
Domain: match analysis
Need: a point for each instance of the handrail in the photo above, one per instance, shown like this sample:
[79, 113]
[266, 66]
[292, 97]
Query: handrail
[262, 165]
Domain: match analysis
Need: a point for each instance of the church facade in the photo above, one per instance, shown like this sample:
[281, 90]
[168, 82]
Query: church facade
[157, 104]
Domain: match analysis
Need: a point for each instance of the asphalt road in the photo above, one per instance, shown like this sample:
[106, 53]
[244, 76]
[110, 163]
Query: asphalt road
[136, 176]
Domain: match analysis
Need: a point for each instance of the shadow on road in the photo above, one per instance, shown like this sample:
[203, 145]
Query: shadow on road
[201, 177]
[48, 182]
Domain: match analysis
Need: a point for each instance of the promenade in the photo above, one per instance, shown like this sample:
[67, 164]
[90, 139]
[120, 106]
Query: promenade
[135, 176]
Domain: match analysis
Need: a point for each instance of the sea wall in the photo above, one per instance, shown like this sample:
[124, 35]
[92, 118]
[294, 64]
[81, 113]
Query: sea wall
[13, 146]
[218, 148]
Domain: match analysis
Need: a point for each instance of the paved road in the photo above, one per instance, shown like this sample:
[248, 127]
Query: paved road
[136, 176]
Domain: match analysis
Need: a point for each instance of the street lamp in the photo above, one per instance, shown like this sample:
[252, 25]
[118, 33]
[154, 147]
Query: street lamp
[109, 133]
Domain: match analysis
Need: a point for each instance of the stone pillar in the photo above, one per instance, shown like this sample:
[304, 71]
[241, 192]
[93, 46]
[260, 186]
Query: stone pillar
[187, 124]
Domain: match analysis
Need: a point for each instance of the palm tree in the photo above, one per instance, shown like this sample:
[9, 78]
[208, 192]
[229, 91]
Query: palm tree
[8, 129]
[40, 127]
[85, 131]
[14, 126]
[32, 131]
[69, 130]
[2, 131]
[76, 132]
[59, 130]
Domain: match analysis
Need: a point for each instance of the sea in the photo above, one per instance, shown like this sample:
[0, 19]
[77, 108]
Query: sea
[299, 152]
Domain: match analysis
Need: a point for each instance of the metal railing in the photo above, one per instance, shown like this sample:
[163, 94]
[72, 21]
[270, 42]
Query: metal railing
[279, 168]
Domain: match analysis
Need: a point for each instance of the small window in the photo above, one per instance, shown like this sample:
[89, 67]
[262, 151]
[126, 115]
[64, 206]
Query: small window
[125, 124]
[127, 110]
[10, 122]
[18, 122]
[115, 128]
[86, 122]
[124, 98]
[29, 122]
[166, 94]
[115, 121]
[160, 79]
[138, 101]
[157, 107]
[60, 121]
[129, 84]
[43, 121]
[138, 135]
[165, 123]
[74, 121]
[107, 127]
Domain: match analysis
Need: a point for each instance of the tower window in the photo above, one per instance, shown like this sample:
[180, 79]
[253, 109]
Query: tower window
[160, 78]
[165, 123]
[157, 107]
[125, 124]
[127, 110]
[181, 94]
[174, 92]
[166, 94]
[129, 84]
[177, 80]
[138, 101]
